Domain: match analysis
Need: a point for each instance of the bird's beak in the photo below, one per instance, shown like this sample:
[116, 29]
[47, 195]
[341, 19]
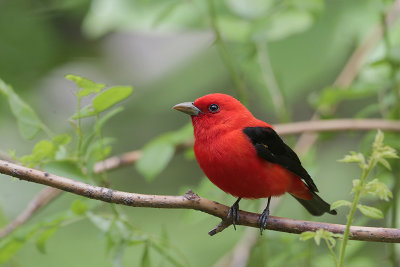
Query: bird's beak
[188, 108]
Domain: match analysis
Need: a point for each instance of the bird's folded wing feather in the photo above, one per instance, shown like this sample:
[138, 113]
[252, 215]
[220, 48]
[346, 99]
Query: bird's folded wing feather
[272, 148]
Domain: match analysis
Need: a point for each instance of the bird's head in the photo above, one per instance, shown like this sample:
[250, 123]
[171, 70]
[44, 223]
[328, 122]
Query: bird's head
[217, 112]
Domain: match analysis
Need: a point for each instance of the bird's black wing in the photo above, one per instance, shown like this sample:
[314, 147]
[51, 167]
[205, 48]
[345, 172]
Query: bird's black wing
[271, 147]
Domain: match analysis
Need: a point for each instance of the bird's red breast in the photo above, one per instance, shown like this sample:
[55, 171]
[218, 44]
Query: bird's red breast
[228, 157]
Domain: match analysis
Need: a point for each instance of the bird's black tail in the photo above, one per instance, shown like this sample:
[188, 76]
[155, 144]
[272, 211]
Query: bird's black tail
[316, 206]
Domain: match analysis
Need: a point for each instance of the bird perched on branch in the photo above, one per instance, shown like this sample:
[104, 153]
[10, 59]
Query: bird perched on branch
[246, 158]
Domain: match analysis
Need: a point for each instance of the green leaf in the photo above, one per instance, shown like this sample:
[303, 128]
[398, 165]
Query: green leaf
[354, 158]
[137, 239]
[85, 112]
[101, 223]
[9, 249]
[87, 142]
[61, 140]
[145, 262]
[381, 152]
[370, 212]
[79, 207]
[100, 122]
[181, 135]
[385, 163]
[13, 243]
[13, 154]
[166, 252]
[378, 142]
[65, 168]
[110, 97]
[44, 237]
[307, 235]
[28, 121]
[234, 29]
[286, 23]
[189, 154]
[389, 153]
[332, 96]
[97, 151]
[118, 256]
[340, 203]
[321, 234]
[44, 150]
[87, 86]
[357, 186]
[377, 188]
[166, 12]
[157, 153]
[317, 237]
[155, 157]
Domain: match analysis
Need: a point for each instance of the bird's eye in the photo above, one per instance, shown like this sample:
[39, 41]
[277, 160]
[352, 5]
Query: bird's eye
[213, 108]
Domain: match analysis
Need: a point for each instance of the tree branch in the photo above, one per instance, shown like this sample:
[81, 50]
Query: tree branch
[48, 194]
[191, 201]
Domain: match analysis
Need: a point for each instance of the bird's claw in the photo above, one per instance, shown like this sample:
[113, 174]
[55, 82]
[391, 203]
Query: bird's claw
[234, 214]
[263, 220]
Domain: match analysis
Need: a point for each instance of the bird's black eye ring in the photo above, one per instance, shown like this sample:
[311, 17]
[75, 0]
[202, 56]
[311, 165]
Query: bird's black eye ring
[213, 108]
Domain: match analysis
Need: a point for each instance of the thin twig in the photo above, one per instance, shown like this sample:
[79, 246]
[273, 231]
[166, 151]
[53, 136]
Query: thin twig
[41, 199]
[192, 201]
[117, 161]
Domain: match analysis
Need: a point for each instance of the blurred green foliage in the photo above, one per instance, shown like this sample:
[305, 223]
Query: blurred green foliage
[286, 56]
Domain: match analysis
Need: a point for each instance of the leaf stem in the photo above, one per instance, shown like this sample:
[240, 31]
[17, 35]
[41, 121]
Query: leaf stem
[331, 251]
[80, 135]
[364, 175]
[226, 57]
[46, 130]
[103, 175]
[393, 222]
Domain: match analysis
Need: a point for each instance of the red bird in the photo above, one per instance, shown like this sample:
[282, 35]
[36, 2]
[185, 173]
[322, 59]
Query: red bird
[246, 158]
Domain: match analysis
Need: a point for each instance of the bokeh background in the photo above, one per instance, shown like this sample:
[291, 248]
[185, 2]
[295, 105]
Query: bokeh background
[172, 51]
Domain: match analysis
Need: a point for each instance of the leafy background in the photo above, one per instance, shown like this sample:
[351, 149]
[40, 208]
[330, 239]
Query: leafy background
[168, 52]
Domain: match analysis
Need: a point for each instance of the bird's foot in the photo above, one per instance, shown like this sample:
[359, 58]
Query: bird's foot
[234, 213]
[263, 220]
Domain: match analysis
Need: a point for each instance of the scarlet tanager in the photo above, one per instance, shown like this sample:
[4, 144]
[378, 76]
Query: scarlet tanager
[246, 158]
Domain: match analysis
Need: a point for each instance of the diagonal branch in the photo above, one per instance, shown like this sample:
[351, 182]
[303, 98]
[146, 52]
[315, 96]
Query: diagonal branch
[43, 198]
[192, 201]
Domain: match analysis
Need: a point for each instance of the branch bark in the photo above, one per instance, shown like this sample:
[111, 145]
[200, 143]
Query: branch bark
[192, 201]
[48, 193]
